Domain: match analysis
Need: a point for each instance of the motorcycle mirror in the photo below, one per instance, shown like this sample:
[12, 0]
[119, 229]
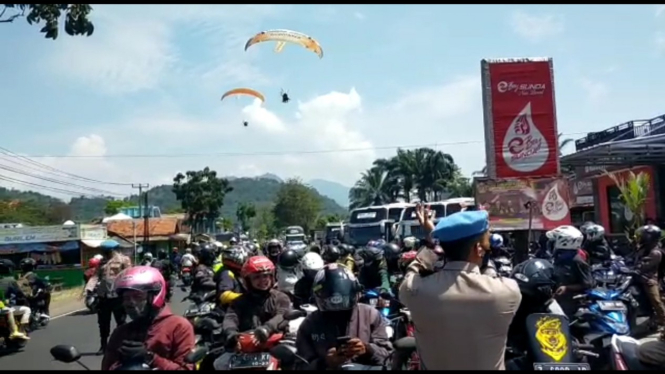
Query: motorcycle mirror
[197, 354]
[294, 314]
[65, 353]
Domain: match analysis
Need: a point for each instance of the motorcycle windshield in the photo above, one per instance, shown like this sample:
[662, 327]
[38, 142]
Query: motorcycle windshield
[549, 338]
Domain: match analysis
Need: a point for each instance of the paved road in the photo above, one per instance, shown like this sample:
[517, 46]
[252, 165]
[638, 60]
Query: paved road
[78, 329]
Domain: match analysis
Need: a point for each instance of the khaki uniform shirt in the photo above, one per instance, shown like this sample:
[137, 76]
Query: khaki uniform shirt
[461, 317]
[107, 274]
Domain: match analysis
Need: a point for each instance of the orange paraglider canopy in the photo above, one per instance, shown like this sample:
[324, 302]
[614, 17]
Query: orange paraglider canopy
[244, 91]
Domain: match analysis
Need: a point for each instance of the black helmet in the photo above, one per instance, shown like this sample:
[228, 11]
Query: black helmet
[648, 235]
[371, 255]
[391, 251]
[28, 264]
[207, 254]
[6, 266]
[273, 248]
[162, 254]
[315, 248]
[288, 259]
[335, 288]
[331, 254]
[535, 277]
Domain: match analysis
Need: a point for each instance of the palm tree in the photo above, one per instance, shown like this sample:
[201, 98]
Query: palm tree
[371, 189]
[562, 144]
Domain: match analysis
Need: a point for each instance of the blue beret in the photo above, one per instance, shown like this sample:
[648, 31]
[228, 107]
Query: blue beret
[461, 225]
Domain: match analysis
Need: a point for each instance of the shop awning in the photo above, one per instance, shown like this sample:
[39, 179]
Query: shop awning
[93, 243]
[641, 151]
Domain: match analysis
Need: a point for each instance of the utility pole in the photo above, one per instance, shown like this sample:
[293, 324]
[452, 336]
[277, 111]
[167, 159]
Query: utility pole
[144, 210]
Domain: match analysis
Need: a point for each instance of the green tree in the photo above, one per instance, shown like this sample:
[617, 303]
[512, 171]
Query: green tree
[76, 17]
[296, 205]
[225, 224]
[114, 206]
[425, 172]
[264, 223]
[201, 195]
[34, 213]
[244, 213]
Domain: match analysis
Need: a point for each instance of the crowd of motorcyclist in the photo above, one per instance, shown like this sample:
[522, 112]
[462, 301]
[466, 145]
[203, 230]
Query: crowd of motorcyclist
[25, 301]
[464, 311]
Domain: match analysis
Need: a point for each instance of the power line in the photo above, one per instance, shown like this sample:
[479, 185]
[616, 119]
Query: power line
[52, 189]
[268, 153]
[57, 171]
[68, 184]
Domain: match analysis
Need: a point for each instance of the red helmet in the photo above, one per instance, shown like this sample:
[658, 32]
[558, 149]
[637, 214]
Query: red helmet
[94, 262]
[257, 265]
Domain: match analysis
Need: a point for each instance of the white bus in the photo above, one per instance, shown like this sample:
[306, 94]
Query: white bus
[409, 226]
[373, 223]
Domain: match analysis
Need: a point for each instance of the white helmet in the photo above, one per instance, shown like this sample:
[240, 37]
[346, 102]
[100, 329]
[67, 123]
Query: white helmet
[99, 257]
[312, 261]
[410, 242]
[595, 233]
[566, 237]
[188, 250]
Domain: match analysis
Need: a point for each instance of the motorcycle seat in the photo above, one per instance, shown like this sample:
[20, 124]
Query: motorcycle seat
[407, 343]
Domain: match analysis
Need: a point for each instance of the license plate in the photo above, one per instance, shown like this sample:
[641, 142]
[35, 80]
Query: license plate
[611, 306]
[562, 366]
[250, 361]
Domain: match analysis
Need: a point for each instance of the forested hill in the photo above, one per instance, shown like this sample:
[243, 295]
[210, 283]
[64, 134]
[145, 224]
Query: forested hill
[39, 209]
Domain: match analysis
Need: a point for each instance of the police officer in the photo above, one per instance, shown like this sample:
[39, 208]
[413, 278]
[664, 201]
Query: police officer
[462, 315]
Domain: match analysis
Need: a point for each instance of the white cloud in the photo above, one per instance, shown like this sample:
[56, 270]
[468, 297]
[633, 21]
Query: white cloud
[659, 41]
[133, 47]
[333, 136]
[536, 28]
[596, 91]
[359, 16]
[660, 8]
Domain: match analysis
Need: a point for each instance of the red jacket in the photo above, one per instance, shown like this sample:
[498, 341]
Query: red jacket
[170, 338]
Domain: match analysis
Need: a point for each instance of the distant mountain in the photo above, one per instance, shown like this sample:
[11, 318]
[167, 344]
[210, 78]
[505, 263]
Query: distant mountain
[333, 190]
[50, 210]
[271, 176]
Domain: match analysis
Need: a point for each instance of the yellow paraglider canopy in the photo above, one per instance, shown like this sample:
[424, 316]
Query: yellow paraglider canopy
[286, 36]
[244, 91]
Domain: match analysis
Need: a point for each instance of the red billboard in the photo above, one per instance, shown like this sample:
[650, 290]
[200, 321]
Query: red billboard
[520, 118]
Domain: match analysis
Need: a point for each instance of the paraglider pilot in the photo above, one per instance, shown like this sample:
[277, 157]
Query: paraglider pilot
[285, 97]
[245, 123]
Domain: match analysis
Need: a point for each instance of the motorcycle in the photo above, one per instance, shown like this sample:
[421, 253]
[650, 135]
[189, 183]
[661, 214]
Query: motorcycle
[5, 332]
[382, 302]
[405, 356]
[261, 357]
[38, 317]
[624, 354]
[186, 276]
[91, 300]
[604, 314]
[202, 306]
[69, 354]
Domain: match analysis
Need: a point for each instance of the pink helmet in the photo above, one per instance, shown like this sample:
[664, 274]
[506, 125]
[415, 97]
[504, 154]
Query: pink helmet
[143, 278]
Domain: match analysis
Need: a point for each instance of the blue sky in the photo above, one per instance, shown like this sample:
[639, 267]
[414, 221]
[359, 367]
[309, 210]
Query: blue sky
[149, 81]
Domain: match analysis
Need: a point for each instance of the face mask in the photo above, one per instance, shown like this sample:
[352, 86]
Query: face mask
[135, 310]
[563, 255]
